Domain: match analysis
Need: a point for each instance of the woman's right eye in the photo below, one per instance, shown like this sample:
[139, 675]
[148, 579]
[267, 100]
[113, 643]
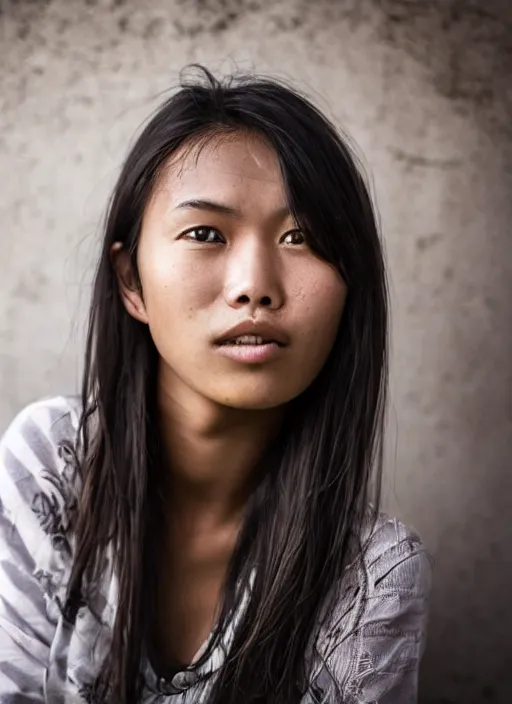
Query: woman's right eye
[208, 235]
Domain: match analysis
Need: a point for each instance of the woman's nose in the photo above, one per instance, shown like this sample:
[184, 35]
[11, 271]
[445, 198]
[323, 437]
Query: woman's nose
[253, 280]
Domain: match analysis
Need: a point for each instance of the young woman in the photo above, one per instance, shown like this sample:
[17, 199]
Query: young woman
[202, 525]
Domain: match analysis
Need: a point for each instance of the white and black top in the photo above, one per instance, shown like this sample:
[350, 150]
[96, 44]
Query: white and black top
[45, 658]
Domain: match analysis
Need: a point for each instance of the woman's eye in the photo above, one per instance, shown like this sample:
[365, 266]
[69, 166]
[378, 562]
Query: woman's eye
[208, 235]
[294, 237]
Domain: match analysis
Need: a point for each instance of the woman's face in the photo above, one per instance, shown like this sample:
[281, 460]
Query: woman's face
[218, 248]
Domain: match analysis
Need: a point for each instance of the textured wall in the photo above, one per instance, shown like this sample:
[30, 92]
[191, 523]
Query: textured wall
[425, 90]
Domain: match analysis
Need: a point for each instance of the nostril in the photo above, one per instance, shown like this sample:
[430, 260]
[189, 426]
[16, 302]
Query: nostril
[265, 301]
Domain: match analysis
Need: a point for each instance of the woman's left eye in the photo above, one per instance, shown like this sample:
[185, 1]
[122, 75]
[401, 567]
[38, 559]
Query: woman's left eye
[294, 237]
[208, 235]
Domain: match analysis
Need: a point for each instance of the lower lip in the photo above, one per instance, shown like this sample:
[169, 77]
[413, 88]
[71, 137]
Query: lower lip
[251, 354]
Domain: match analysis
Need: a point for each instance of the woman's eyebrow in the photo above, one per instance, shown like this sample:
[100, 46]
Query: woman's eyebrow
[223, 209]
[212, 206]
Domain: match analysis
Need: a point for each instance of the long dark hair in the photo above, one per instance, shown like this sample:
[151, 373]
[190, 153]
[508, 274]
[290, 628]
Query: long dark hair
[308, 512]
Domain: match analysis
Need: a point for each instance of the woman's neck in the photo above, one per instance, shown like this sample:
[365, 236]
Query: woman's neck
[212, 453]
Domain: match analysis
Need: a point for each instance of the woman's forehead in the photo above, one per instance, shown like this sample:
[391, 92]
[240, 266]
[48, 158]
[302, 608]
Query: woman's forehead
[225, 168]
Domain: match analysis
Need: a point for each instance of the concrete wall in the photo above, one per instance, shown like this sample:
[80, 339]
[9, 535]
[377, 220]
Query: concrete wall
[425, 89]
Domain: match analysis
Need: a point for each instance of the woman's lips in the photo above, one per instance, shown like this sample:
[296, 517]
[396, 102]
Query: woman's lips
[251, 354]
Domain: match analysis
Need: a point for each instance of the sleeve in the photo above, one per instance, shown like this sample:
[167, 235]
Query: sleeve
[26, 631]
[380, 662]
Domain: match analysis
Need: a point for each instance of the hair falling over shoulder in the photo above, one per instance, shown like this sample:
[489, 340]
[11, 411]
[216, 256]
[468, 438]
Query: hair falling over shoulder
[305, 519]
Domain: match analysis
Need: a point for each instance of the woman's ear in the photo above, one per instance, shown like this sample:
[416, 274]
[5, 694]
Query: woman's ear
[129, 288]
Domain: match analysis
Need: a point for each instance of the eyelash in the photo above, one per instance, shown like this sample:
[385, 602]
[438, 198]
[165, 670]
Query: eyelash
[203, 229]
[210, 230]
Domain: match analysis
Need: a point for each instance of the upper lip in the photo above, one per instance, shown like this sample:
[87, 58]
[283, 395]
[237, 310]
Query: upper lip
[250, 327]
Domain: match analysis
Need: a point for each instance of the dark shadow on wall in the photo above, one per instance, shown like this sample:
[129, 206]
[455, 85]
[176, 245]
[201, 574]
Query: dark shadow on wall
[466, 47]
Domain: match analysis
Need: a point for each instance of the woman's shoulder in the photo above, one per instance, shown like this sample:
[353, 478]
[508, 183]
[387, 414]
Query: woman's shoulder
[41, 434]
[389, 558]
[394, 551]
[371, 644]
[38, 475]
[39, 472]
[44, 418]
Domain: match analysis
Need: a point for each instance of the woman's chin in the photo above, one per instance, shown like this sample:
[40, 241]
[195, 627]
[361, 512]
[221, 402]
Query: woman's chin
[250, 399]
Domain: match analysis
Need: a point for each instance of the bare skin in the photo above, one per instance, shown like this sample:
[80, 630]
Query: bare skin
[218, 415]
[207, 508]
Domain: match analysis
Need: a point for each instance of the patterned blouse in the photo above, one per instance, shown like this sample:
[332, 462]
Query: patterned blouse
[45, 658]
